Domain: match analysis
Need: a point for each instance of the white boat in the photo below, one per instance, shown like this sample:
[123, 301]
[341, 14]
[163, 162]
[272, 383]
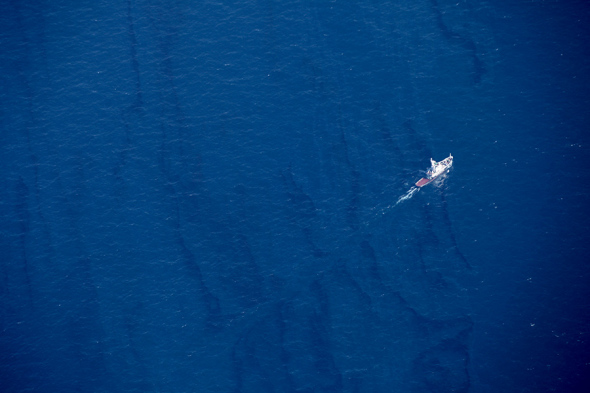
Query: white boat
[436, 170]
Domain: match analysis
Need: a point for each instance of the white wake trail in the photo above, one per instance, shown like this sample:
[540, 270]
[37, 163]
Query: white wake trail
[407, 195]
[380, 212]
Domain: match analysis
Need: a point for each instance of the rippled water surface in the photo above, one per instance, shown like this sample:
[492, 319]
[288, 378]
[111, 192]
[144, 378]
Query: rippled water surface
[217, 196]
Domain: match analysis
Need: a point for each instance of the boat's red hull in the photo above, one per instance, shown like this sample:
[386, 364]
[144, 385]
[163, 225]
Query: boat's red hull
[422, 182]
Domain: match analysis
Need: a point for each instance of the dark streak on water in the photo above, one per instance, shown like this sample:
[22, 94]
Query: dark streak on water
[464, 42]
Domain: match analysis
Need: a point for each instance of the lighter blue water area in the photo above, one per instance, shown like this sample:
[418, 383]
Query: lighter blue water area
[217, 196]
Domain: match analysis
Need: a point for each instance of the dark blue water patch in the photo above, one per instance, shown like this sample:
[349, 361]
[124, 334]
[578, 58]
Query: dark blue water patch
[445, 366]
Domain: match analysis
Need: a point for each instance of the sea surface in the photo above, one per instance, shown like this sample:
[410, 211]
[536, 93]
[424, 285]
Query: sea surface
[216, 196]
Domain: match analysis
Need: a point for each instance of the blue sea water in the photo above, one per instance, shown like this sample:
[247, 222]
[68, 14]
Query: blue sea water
[201, 196]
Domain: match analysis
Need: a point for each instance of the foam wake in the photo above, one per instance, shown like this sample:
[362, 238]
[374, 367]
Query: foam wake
[407, 195]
